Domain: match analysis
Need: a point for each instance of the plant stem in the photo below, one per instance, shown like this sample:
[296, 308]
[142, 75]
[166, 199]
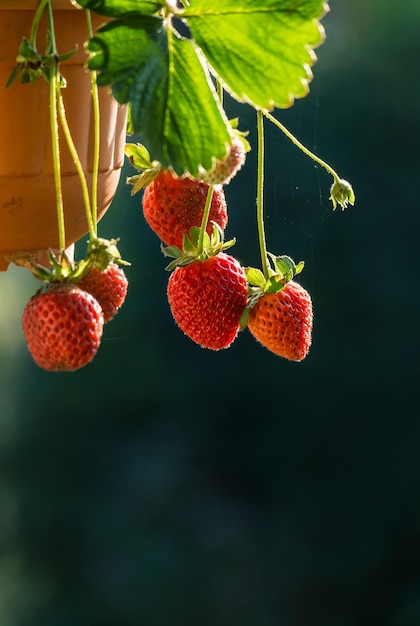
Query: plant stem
[35, 23]
[205, 219]
[78, 165]
[301, 147]
[96, 139]
[260, 194]
[54, 91]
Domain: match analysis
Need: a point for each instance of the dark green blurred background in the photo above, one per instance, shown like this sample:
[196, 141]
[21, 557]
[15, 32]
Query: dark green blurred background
[165, 485]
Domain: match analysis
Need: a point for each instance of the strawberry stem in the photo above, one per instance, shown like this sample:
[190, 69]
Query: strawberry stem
[78, 165]
[205, 219]
[301, 147]
[341, 191]
[260, 194]
[96, 138]
[54, 81]
[35, 23]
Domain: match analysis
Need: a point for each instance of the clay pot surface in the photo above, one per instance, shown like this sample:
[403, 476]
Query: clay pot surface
[28, 222]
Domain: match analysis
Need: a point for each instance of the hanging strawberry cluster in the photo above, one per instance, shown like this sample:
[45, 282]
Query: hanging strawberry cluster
[174, 84]
[63, 322]
[211, 296]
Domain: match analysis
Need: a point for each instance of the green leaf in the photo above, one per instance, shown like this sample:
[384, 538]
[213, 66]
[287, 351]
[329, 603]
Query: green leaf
[260, 49]
[174, 106]
[120, 8]
[196, 127]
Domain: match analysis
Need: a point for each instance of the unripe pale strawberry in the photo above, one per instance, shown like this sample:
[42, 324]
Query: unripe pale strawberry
[63, 327]
[225, 169]
[282, 321]
[207, 299]
[173, 205]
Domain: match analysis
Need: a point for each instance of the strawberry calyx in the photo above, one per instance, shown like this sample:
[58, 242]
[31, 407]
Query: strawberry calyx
[100, 254]
[281, 270]
[31, 65]
[196, 248]
[140, 159]
[342, 193]
[62, 268]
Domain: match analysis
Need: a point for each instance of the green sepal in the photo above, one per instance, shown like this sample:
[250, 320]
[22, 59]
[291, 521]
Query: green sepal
[171, 251]
[40, 272]
[12, 76]
[284, 267]
[102, 252]
[80, 269]
[281, 270]
[243, 320]
[139, 157]
[27, 52]
[99, 254]
[255, 277]
[140, 181]
[189, 244]
[274, 284]
[191, 249]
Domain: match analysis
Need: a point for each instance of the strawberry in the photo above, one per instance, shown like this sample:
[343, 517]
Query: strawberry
[173, 205]
[207, 298]
[63, 327]
[282, 321]
[225, 169]
[108, 287]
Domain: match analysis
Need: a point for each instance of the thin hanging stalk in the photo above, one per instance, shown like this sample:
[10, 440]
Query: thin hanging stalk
[205, 219]
[96, 128]
[79, 168]
[35, 23]
[260, 194]
[54, 82]
[341, 191]
[299, 145]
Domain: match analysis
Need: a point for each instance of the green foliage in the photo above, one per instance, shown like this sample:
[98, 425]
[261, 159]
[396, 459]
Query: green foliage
[260, 50]
[121, 8]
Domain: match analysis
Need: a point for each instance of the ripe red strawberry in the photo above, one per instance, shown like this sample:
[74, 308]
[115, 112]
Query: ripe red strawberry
[282, 321]
[207, 298]
[225, 169]
[173, 205]
[63, 327]
[108, 287]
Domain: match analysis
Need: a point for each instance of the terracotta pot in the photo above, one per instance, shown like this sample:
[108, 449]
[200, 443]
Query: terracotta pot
[28, 222]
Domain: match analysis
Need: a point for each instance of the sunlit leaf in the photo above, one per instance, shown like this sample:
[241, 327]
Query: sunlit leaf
[119, 8]
[174, 106]
[261, 49]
